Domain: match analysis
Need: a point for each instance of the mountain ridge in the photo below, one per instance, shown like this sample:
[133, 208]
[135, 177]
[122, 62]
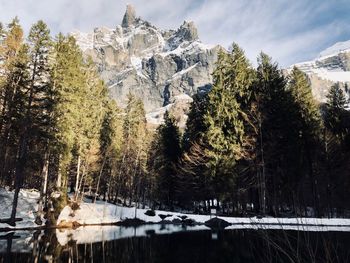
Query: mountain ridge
[165, 68]
[162, 67]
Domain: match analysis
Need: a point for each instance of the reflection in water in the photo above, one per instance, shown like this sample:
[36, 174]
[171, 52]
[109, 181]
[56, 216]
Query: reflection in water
[242, 245]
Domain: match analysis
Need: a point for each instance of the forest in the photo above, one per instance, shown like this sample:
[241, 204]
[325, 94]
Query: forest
[256, 144]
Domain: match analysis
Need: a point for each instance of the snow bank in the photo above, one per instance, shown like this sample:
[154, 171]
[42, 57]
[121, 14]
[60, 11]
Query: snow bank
[105, 213]
[27, 207]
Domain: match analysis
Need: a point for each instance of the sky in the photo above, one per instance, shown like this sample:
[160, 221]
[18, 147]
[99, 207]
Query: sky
[290, 31]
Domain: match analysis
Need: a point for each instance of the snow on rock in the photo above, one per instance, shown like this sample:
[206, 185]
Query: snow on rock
[149, 62]
[331, 66]
[27, 207]
[335, 49]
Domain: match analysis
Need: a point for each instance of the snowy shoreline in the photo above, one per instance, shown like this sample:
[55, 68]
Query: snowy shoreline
[101, 213]
[106, 214]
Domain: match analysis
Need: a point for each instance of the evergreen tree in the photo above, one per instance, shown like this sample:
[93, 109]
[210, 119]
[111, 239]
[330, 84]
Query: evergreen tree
[273, 105]
[226, 118]
[12, 55]
[306, 122]
[35, 122]
[134, 150]
[169, 155]
[335, 111]
[111, 138]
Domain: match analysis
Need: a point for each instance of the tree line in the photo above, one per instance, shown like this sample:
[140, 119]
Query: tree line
[256, 143]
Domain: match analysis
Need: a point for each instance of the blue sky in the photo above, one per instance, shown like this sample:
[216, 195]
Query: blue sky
[288, 30]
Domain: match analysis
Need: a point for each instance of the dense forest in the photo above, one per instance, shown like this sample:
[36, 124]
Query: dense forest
[257, 143]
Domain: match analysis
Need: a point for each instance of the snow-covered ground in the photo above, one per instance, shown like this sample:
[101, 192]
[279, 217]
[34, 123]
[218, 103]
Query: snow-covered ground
[105, 213]
[26, 208]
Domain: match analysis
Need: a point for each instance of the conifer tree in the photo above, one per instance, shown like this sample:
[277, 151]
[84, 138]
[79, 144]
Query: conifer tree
[273, 104]
[35, 122]
[166, 160]
[12, 63]
[111, 138]
[134, 149]
[335, 111]
[227, 119]
[306, 122]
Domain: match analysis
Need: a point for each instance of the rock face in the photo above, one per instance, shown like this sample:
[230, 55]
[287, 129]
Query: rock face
[129, 17]
[331, 66]
[163, 68]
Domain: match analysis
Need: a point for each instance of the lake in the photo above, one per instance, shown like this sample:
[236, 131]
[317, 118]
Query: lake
[169, 243]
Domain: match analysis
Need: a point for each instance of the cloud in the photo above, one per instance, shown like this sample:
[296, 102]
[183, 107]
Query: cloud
[289, 31]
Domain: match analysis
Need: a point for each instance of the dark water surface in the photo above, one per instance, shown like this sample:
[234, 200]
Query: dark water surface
[241, 245]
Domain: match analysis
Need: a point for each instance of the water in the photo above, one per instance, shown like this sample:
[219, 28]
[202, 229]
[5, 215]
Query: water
[174, 244]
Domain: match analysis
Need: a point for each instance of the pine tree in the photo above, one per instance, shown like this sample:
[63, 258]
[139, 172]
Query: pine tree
[195, 124]
[12, 57]
[273, 104]
[134, 149]
[227, 119]
[335, 111]
[166, 160]
[111, 138]
[67, 79]
[35, 123]
[306, 122]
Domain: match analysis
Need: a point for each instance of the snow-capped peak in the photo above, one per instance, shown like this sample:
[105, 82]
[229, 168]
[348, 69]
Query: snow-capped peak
[335, 49]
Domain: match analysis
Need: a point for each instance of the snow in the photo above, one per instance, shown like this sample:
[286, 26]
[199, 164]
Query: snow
[335, 76]
[188, 48]
[84, 40]
[26, 209]
[182, 72]
[105, 213]
[136, 62]
[156, 117]
[332, 73]
[335, 49]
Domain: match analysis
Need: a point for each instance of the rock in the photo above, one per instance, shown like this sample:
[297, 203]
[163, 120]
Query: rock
[129, 16]
[331, 66]
[164, 216]
[182, 217]
[163, 68]
[74, 205]
[150, 213]
[189, 222]
[217, 223]
[131, 222]
[68, 224]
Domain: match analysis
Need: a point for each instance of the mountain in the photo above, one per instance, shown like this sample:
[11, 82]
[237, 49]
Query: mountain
[165, 68]
[162, 67]
[331, 66]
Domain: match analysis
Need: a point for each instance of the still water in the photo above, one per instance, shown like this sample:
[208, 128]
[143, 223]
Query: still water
[175, 244]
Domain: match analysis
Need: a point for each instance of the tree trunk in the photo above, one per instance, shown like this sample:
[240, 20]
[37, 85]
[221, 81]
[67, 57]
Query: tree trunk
[77, 178]
[59, 174]
[22, 155]
[99, 176]
[42, 200]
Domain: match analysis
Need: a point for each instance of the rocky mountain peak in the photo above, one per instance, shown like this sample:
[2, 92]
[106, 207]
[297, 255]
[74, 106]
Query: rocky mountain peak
[129, 16]
[162, 67]
[188, 31]
[331, 66]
